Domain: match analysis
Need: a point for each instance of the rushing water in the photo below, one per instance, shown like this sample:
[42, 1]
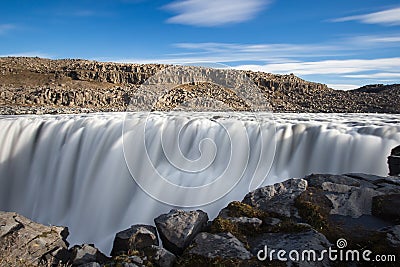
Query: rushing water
[101, 173]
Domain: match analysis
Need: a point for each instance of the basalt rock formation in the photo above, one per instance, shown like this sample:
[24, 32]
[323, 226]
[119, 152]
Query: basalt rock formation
[35, 85]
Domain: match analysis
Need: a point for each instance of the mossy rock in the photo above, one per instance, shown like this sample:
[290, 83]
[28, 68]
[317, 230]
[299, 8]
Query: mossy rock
[314, 208]
[239, 209]
[242, 231]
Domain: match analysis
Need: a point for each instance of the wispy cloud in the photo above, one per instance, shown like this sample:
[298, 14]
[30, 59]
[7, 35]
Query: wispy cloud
[386, 17]
[4, 28]
[330, 66]
[234, 52]
[214, 12]
[229, 52]
[383, 39]
[384, 75]
[342, 63]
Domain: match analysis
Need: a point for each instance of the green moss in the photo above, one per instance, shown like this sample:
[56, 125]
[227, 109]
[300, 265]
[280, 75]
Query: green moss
[239, 209]
[221, 225]
[314, 208]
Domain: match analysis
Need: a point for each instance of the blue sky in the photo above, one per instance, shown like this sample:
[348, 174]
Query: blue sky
[343, 43]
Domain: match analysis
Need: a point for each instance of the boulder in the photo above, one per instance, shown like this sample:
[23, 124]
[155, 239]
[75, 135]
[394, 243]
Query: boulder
[351, 194]
[86, 254]
[160, 256]
[278, 198]
[394, 162]
[386, 207]
[316, 180]
[349, 200]
[393, 235]
[24, 242]
[135, 238]
[222, 245]
[178, 228]
[263, 244]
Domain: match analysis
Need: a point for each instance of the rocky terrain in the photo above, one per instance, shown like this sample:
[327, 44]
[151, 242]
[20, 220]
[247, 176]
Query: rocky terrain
[356, 212]
[37, 86]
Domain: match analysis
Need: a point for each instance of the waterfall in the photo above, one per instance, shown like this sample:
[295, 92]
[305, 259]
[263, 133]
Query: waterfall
[100, 173]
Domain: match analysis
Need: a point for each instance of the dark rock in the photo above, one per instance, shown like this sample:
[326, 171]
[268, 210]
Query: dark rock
[392, 180]
[394, 165]
[316, 180]
[278, 198]
[178, 228]
[223, 245]
[160, 256]
[386, 207]
[86, 254]
[246, 222]
[272, 221]
[23, 241]
[392, 235]
[394, 162]
[135, 238]
[308, 240]
[374, 179]
[90, 264]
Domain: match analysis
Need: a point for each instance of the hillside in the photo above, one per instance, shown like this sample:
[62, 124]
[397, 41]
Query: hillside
[36, 85]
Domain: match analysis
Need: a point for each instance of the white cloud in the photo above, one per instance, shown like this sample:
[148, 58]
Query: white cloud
[385, 17]
[384, 75]
[4, 28]
[225, 52]
[329, 67]
[214, 12]
[341, 86]
[382, 39]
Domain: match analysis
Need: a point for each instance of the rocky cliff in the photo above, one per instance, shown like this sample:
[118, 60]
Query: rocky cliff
[35, 85]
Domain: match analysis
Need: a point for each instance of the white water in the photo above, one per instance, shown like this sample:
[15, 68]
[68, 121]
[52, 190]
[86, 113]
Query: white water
[72, 170]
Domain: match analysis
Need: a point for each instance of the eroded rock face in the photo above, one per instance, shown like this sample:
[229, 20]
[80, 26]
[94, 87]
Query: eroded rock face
[178, 228]
[223, 245]
[23, 241]
[135, 238]
[35, 85]
[278, 198]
